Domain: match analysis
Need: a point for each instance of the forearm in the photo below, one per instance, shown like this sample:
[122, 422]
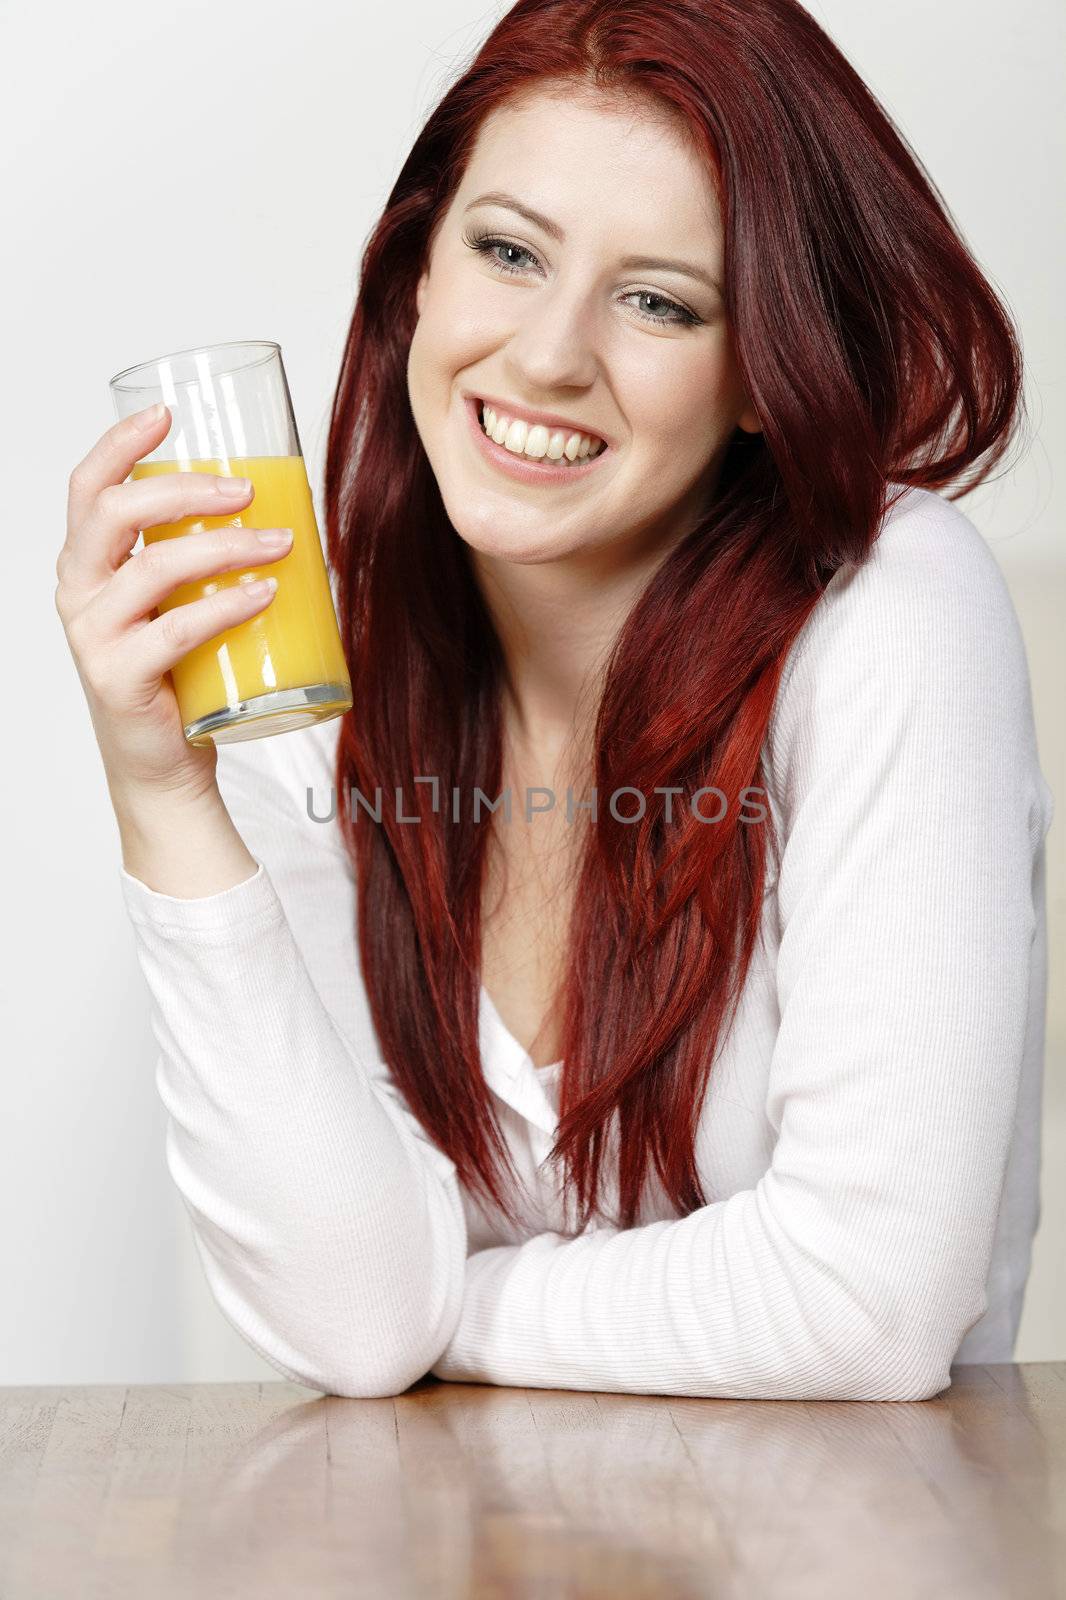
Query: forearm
[184, 845]
[332, 1236]
[330, 1228]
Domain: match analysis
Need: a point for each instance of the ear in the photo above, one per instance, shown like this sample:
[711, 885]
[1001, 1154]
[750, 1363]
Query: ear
[420, 292]
[749, 420]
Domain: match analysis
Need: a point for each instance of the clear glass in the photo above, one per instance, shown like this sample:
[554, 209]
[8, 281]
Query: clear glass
[285, 666]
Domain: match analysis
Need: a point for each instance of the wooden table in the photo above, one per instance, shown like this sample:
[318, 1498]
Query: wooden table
[205, 1490]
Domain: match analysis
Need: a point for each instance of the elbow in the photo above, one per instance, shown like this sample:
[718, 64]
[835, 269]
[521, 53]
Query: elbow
[926, 1384]
[912, 1375]
[921, 1336]
[354, 1344]
[882, 1372]
[378, 1363]
[354, 1362]
[379, 1376]
[359, 1366]
[899, 1347]
[906, 1363]
[369, 1383]
[920, 1354]
[867, 1354]
[372, 1376]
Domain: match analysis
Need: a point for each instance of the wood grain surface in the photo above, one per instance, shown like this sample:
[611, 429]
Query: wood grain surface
[203, 1490]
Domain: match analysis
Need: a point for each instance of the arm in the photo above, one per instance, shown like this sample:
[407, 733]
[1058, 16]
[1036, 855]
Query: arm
[330, 1228]
[913, 815]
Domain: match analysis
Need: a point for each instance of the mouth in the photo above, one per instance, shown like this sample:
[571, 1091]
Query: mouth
[531, 469]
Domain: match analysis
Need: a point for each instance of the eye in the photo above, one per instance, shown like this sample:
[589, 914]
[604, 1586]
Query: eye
[681, 315]
[486, 244]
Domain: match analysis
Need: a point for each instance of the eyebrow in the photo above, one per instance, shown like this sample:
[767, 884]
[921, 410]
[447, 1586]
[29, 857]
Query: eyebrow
[637, 263]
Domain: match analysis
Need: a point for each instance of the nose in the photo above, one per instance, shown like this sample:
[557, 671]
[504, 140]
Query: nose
[555, 342]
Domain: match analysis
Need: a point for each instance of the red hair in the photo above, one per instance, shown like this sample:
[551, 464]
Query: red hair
[875, 354]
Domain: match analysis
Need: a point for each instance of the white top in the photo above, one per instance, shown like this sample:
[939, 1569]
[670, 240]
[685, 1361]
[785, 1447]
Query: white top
[870, 1138]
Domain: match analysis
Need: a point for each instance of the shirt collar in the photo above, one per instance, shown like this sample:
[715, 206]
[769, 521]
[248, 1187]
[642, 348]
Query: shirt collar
[509, 1071]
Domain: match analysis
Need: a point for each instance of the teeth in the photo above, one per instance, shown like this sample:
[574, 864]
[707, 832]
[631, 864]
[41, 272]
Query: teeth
[537, 441]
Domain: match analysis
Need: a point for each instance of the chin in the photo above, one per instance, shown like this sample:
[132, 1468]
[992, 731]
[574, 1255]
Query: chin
[509, 544]
[496, 527]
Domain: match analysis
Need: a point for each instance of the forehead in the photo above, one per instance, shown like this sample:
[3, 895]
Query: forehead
[604, 167]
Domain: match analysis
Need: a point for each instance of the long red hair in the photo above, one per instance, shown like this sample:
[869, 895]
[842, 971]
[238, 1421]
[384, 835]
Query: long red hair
[875, 354]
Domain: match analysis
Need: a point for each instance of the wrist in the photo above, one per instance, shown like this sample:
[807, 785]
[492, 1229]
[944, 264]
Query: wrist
[182, 844]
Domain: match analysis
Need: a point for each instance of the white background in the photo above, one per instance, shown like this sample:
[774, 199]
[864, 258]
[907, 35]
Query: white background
[186, 174]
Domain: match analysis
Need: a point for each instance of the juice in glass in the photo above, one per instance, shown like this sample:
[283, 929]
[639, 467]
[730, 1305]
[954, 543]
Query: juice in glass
[292, 644]
[232, 415]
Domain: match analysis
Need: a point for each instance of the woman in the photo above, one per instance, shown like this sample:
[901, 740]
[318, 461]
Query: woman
[730, 1088]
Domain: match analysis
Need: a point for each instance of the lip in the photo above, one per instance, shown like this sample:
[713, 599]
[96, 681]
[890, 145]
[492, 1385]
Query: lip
[548, 418]
[526, 469]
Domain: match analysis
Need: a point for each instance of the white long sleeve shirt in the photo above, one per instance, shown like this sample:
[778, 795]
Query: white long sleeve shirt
[870, 1138]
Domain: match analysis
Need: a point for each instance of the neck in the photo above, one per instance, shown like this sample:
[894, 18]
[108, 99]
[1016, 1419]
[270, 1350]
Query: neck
[557, 622]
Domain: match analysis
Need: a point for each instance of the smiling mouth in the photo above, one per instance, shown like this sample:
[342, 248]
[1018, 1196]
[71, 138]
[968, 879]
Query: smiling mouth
[559, 448]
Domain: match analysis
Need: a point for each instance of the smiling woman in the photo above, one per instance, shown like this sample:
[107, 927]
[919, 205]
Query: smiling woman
[538, 307]
[663, 348]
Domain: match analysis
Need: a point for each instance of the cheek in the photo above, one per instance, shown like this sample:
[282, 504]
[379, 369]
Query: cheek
[425, 383]
[437, 352]
[451, 325]
[415, 376]
[682, 406]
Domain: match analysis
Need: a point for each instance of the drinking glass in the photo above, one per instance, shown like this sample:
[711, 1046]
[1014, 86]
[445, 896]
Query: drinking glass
[232, 414]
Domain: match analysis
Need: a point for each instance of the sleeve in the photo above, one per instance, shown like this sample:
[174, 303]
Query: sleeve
[914, 814]
[330, 1228]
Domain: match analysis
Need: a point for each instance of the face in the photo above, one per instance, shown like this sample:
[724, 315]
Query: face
[551, 317]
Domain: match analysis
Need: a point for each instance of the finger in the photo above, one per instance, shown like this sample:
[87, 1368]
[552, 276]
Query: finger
[113, 457]
[155, 572]
[140, 659]
[105, 540]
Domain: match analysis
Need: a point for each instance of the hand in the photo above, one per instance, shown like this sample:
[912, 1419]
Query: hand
[106, 595]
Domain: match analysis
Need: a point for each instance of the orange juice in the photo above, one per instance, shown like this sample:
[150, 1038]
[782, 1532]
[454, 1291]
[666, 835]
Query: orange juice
[294, 643]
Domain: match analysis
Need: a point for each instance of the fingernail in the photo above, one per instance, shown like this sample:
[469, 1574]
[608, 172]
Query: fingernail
[149, 418]
[260, 587]
[275, 537]
[233, 487]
